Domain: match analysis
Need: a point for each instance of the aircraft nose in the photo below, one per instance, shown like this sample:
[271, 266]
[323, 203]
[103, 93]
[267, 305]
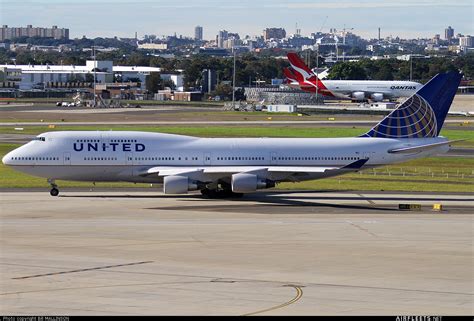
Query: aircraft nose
[7, 159]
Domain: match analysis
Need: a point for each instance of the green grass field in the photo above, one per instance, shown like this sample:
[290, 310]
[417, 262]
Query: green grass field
[53, 100]
[211, 131]
[203, 115]
[231, 131]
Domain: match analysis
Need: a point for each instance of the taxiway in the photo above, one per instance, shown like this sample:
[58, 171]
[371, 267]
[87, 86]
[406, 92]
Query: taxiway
[283, 253]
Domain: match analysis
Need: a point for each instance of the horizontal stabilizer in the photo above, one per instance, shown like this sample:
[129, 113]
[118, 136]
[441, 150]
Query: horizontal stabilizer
[417, 149]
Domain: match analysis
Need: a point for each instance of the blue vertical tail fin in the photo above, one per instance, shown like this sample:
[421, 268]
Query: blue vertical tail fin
[423, 114]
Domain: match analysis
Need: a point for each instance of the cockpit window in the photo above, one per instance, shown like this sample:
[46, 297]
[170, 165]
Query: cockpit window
[42, 139]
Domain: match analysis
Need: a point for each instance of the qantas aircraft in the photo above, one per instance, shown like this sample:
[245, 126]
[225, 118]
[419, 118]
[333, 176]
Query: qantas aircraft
[226, 167]
[300, 76]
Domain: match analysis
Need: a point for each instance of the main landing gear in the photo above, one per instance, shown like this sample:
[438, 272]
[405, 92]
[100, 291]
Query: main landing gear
[54, 188]
[220, 193]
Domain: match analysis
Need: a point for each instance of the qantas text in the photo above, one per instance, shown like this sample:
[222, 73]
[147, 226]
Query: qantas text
[403, 87]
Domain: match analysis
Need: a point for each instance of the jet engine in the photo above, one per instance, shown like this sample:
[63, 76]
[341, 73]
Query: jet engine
[358, 95]
[246, 183]
[376, 97]
[178, 185]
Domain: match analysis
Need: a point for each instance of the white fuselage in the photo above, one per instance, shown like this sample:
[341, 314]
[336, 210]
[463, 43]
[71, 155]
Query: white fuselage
[389, 89]
[125, 156]
[365, 89]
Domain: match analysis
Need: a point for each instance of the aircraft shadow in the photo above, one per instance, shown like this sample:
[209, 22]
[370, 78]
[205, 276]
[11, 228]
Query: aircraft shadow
[380, 196]
[272, 202]
[158, 196]
[271, 205]
[268, 200]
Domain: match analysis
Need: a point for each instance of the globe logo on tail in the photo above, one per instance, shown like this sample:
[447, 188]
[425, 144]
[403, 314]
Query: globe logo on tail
[415, 118]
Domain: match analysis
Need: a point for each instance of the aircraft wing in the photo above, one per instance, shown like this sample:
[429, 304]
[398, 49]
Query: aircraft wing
[223, 171]
[169, 171]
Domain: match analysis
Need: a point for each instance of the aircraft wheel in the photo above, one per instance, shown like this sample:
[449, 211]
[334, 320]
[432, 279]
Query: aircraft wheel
[54, 192]
[209, 193]
[237, 195]
[230, 194]
[212, 193]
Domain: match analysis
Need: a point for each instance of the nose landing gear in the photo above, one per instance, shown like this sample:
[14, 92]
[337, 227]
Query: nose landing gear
[54, 191]
[54, 188]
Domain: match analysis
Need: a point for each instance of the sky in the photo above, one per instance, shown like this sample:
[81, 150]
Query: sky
[108, 18]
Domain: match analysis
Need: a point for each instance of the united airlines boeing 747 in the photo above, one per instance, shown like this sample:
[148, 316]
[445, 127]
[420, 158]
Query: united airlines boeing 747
[224, 167]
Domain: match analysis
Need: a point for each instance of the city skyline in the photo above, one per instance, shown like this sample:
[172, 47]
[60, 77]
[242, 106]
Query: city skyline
[107, 18]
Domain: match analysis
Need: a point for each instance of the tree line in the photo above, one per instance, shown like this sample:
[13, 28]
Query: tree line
[252, 67]
[421, 69]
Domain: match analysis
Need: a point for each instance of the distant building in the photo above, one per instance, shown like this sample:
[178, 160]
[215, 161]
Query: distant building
[209, 80]
[297, 41]
[198, 33]
[178, 80]
[408, 57]
[372, 48]
[57, 76]
[218, 52]
[187, 96]
[449, 33]
[221, 37]
[232, 43]
[234, 35]
[153, 46]
[10, 77]
[7, 33]
[466, 42]
[274, 33]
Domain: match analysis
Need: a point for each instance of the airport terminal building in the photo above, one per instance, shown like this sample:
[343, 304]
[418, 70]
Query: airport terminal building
[28, 77]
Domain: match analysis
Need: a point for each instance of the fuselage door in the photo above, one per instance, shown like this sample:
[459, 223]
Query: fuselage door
[273, 158]
[67, 159]
[129, 158]
[207, 158]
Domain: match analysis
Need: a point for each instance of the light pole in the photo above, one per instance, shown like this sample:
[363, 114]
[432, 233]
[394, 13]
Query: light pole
[95, 64]
[317, 65]
[233, 82]
[411, 66]
[47, 92]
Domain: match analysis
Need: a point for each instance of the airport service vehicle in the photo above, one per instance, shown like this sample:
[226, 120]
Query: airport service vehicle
[225, 167]
[300, 76]
[65, 104]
